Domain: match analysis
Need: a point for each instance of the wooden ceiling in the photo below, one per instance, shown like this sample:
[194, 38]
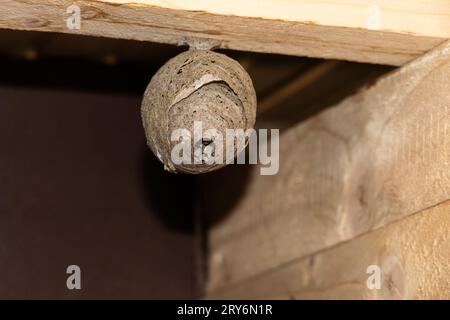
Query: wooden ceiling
[379, 31]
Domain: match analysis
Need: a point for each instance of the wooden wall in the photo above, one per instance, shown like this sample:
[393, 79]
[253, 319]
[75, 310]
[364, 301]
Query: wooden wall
[366, 181]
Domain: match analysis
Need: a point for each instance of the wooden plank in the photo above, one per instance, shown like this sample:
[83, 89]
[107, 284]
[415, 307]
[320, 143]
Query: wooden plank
[413, 255]
[334, 29]
[374, 158]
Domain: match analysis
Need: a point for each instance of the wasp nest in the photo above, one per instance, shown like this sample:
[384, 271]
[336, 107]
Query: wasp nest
[197, 87]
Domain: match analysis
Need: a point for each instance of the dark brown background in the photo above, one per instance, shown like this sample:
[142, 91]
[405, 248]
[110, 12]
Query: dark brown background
[78, 186]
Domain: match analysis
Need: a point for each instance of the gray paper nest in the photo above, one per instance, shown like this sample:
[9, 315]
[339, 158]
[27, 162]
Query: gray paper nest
[196, 85]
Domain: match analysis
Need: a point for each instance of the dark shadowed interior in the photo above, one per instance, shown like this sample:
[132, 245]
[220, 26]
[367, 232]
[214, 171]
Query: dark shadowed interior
[78, 186]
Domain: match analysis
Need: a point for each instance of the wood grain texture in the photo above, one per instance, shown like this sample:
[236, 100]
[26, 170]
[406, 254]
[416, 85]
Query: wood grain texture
[413, 255]
[374, 158]
[331, 29]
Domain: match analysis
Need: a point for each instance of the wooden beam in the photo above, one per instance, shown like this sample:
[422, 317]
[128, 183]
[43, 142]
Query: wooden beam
[376, 157]
[412, 254]
[296, 84]
[328, 90]
[386, 32]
